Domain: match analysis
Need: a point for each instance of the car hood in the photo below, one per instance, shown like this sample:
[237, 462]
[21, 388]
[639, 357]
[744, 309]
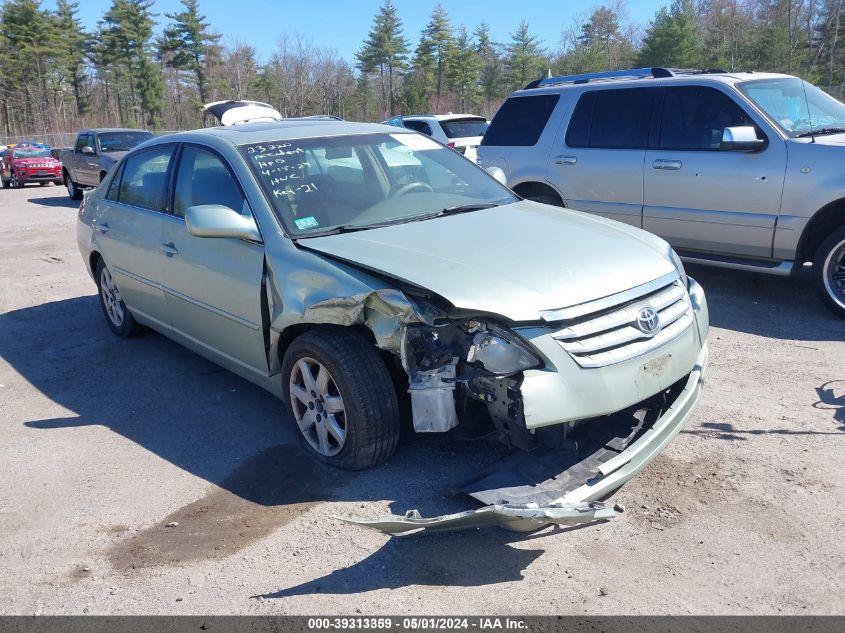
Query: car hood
[514, 260]
[115, 155]
[35, 161]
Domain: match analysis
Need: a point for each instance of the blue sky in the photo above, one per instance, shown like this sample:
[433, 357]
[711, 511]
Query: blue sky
[342, 25]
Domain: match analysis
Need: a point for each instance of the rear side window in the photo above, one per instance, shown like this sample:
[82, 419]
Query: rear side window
[144, 178]
[611, 119]
[694, 118]
[419, 126]
[520, 121]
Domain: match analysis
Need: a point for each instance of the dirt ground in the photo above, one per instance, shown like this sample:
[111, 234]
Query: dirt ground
[105, 442]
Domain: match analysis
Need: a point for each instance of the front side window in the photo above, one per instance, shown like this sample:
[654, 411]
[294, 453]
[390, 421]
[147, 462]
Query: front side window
[324, 185]
[121, 141]
[798, 108]
[203, 178]
[695, 117]
[145, 178]
[81, 142]
[612, 119]
[520, 121]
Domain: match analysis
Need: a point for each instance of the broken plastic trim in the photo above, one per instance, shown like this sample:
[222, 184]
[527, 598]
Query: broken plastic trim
[518, 518]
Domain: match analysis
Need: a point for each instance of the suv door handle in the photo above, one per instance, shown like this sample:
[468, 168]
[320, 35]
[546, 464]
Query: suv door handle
[169, 249]
[566, 160]
[668, 165]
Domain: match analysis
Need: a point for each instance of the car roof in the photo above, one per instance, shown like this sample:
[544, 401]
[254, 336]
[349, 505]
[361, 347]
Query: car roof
[266, 131]
[98, 130]
[441, 117]
[686, 77]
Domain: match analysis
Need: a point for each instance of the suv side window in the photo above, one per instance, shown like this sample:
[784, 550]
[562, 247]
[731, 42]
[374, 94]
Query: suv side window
[694, 118]
[611, 119]
[144, 178]
[204, 179]
[520, 121]
[419, 126]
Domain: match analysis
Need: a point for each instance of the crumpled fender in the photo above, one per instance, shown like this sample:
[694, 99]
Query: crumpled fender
[517, 518]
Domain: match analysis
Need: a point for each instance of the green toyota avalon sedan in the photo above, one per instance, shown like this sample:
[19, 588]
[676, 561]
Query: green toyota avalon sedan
[370, 277]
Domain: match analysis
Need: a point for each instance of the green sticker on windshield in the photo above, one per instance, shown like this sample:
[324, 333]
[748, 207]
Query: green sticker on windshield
[308, 222]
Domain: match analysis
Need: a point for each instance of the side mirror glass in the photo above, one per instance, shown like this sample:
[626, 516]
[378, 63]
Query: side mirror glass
[498, 173]
[87, 150]
[215, 220]
[741, 139]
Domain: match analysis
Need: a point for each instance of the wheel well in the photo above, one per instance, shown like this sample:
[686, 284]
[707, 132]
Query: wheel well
[532, 189]
[103, 174]
[290, 333]
[93, 259]
[65, 173]
[818, 228]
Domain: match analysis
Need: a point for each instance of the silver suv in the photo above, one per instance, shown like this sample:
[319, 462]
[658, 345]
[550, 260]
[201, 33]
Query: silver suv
[739, 170]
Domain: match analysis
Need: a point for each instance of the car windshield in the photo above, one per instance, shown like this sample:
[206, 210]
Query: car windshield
[459, 128]
[31, 152]
[326, 185]
[797, 107]
[122, 141]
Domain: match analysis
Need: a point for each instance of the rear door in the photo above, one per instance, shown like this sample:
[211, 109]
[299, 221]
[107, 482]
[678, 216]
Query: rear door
[129, 228]
[597, 163]
[212, 286]
[700, 198]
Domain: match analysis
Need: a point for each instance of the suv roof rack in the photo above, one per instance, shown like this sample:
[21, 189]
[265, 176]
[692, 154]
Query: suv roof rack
[655, 72]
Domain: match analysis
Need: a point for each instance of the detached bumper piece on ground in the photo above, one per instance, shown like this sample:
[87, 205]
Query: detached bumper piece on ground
[561, 485]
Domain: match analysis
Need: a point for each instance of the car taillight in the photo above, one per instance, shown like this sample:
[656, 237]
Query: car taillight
[450, 145]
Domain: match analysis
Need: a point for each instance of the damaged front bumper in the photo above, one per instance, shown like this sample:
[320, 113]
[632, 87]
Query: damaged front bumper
[525, 498]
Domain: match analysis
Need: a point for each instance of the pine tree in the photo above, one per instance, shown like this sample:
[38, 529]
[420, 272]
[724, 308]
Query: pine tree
[385, 50]
[190, 45]
[74, 43]
[672, 38]
[437, 40]
[491, 76]
[463, 68]
[525, 57]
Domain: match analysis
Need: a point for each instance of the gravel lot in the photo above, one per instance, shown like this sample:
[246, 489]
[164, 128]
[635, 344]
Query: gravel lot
[105, 442]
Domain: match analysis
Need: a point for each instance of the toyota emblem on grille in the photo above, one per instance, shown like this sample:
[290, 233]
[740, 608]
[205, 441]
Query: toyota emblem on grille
[648, 321]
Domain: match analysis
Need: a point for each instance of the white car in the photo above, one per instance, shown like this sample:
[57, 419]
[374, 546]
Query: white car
[461, 132]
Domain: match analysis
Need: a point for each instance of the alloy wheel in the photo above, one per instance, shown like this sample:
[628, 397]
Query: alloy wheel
[317, 406]
[111, 298]
[833, 274]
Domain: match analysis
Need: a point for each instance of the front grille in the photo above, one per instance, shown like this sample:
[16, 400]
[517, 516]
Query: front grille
[611, 335]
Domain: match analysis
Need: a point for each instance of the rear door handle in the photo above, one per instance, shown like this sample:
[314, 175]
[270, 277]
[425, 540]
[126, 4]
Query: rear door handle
[169, 249]
[667, 165]
[566, 160]
[103, 227]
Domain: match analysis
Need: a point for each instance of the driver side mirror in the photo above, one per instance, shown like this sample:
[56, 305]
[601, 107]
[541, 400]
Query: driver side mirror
[215, 220]
[741, 139]
[498, 173]
[88, 150]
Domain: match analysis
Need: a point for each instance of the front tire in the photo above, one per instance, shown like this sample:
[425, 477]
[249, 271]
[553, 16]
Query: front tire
[341, 398]
[73, 190]
[15, 182]
[829, 271]
[119, 319]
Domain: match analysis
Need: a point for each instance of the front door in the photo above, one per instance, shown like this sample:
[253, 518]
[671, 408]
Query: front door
[700, 198]
[597, 162]
[212, 286]
[129, 228]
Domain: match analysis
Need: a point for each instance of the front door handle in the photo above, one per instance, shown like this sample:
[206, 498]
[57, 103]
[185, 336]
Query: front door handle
[169, 249]
[668, 165]
[566, 160]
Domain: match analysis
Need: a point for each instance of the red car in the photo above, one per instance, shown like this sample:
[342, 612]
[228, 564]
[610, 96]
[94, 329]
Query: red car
[29, 163]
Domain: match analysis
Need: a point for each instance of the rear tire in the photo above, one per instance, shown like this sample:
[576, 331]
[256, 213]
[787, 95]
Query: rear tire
[829, 271]
[336, 385]
[73, 190]
[119, 319]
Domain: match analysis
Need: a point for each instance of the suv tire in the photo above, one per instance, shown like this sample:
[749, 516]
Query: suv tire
[829, 270]
[335, 384]
[73, 190]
